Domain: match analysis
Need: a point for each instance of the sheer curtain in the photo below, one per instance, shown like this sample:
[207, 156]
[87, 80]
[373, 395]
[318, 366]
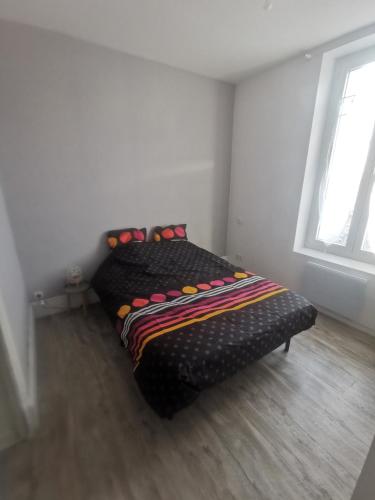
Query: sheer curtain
[348, 157]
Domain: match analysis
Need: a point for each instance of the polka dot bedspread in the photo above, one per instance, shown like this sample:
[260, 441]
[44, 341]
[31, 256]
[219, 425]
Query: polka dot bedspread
[189, 319]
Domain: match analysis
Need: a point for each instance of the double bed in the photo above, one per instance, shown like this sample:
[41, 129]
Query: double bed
[190, 319]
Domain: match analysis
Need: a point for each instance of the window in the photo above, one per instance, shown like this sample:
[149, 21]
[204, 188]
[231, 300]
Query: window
[342, 217]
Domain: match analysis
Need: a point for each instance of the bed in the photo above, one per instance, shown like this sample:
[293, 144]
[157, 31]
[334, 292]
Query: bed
[190, 319]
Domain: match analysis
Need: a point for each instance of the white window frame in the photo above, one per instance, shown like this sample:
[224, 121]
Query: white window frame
[353, 249]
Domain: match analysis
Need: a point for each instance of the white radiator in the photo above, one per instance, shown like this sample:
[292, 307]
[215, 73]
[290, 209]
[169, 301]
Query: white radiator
[337, 291]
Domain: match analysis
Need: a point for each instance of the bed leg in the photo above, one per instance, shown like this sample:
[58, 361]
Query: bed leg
[287, 344]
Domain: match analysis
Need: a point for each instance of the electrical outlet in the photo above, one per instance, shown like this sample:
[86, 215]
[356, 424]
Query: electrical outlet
[238, 257]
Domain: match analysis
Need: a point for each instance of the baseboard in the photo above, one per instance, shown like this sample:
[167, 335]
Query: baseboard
[58, 304]
[346, 321]
[31, 406]
[18, 386]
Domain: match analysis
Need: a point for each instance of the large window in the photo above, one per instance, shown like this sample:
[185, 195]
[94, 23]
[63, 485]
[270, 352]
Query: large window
[342, 218]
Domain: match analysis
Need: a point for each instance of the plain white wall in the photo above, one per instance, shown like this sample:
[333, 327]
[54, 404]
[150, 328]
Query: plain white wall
[273, 115]
[14, 309]
[92, 139]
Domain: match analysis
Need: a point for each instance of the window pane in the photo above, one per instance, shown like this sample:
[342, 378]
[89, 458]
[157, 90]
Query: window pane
[369, 239]
[353, 133]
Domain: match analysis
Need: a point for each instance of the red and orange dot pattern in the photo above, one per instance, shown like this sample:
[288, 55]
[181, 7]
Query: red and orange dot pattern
[156, 298]
[170, 233]
[125, 236]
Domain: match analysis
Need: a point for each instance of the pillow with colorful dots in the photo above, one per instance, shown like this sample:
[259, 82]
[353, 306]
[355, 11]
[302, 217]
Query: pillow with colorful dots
[170, 233]
[117, 237]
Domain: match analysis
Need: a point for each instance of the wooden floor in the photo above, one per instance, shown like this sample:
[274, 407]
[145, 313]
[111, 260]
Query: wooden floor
[291, 426]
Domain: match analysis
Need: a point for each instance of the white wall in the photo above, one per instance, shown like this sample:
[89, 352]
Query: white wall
[92, 139]
[272, 121]
[14, 309]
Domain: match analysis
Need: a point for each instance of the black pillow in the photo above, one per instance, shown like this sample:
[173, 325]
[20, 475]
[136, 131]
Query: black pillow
[117, 237]
[170, 233]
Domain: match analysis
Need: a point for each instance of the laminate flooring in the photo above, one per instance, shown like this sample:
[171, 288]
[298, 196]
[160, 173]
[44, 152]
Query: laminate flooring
[291, 426]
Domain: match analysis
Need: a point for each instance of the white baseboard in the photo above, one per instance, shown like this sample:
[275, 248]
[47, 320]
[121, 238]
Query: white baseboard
[17, 376]
[31, 406]
[58, 304]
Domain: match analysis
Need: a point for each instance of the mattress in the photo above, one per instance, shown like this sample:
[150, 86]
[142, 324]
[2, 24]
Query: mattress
[190, 319]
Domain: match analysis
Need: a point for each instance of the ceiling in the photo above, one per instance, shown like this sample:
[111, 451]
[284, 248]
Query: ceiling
[224, 39]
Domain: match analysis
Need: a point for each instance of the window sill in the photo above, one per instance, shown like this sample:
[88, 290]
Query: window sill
[354, 265]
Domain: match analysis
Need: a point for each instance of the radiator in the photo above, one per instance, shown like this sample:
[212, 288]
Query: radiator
[334, 290]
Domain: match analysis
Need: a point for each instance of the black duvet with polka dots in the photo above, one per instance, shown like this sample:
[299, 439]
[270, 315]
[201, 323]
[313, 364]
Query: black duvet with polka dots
[190, 319]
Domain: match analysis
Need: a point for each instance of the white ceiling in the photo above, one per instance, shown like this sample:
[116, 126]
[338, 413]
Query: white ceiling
[225, 39]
